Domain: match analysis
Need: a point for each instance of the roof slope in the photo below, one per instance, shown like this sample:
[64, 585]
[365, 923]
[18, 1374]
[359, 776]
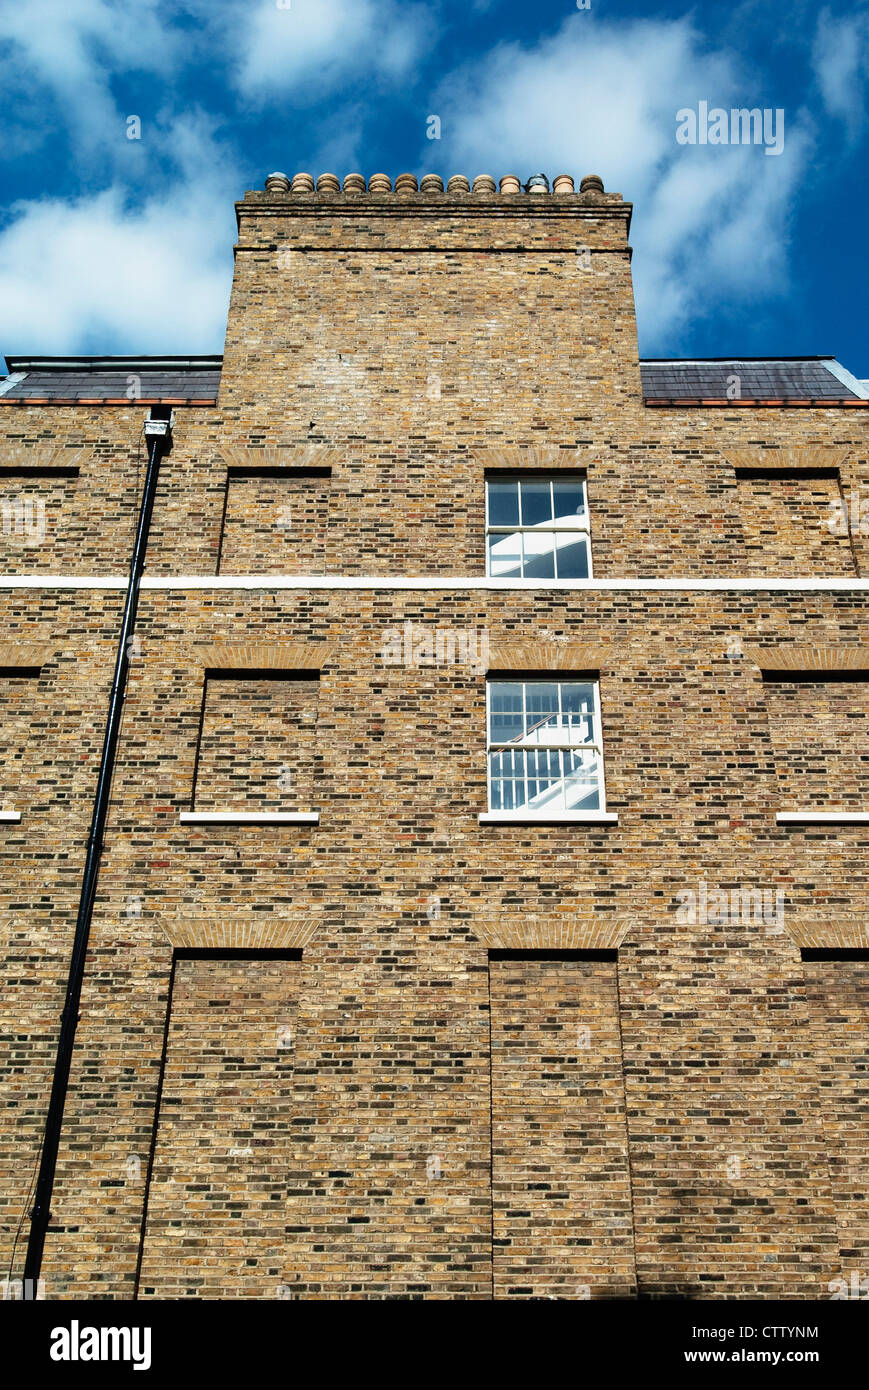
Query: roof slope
[196, 380]
[759, 378]
[112, 380]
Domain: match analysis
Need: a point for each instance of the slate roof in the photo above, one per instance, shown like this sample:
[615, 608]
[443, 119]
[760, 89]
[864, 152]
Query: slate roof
[760, 378]
[109, 380]
[195, 380]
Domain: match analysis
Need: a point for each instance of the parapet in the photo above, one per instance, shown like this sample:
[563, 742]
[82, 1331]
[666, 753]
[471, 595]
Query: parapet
[433, 198]
[591, 189]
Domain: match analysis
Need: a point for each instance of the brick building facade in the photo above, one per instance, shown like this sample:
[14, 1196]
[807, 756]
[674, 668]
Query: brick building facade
[483, 904]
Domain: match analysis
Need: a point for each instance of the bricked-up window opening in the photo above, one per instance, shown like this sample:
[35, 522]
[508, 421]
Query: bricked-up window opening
[18, 724]
[34, 504]
[820, 737]
[537, 527]
[793, 523]
[836, 1009]
[562, 1222]
[215, 1223]
[257, 746]
[545, 746]
[275, 521]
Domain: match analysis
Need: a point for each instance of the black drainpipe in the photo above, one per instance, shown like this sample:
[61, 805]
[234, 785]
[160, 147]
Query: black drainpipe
[158, 433]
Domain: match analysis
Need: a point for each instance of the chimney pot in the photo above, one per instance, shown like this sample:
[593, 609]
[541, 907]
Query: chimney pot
[380, 183]
[562, 183]
[303, 183]
[354, 183]
[592, 183]
[277, 183]
[328, 183]
[406, 183]
[431, 183]
[510, 184]
[458, 184]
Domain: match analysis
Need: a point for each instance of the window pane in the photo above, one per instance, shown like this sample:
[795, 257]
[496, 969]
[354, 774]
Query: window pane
[503, 503]
[536, 504]
[539, 555]
[577, 703]
[505, 556]
[505, 711]
[569, 501]
[541, 717]
[508, 793]
[572, 556]
[511, 763]
[517, 793]
[546, 790]
[537, 762]
[582, 783]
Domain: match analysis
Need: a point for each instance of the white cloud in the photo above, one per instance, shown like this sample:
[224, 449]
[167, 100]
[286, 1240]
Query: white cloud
[313, 46]
[841, 62]
[601, 97]
[67, 50]
[105, 274]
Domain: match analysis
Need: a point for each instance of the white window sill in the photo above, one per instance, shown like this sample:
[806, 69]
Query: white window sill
[822, 817]
[10, 817]
[556, 818]
[250, 817]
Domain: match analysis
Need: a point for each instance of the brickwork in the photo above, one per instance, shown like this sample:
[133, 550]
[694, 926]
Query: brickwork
[560, 1183]
[275, 524]
[709, 1141]
[783, 518]
[838, 994]
[215, 1225]
[819, 738]
[17, 717]
[256, 745]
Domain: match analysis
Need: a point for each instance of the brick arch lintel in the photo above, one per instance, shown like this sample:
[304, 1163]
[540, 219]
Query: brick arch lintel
[844, 934]
[28, 656]
[545, 656]
[554, 933]
[802, 659]
[789, 457]
[254, 656]
[213, 934]
[537, 457]
[289, 456]
[42, 459]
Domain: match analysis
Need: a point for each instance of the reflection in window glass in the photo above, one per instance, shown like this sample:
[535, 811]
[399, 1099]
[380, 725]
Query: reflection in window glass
[544, 747]
[537, 528]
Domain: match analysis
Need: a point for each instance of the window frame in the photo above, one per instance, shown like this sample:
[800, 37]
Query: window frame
[526, 475]
[527, 812]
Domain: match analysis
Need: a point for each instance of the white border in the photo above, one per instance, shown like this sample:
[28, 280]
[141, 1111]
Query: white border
[564, 818]
[435, 584]
[10, 817]
[250, 817]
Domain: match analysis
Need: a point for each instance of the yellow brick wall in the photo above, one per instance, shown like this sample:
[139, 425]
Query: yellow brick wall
[408, 349]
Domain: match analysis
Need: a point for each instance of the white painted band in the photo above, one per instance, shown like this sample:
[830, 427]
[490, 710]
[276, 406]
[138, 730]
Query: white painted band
[564, 818]
[822, 817]
[436, 583]
[250, 817]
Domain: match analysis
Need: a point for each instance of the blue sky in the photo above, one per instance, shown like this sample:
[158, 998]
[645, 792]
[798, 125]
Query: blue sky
[111, 244]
